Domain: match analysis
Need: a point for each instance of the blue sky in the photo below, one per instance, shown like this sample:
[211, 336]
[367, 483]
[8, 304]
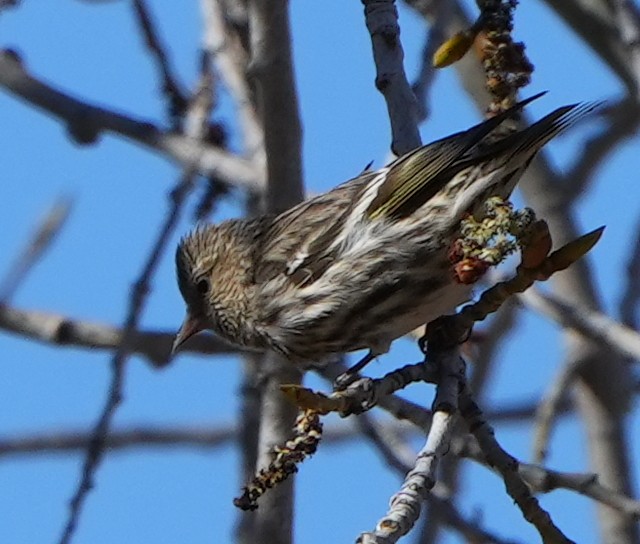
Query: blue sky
[120, 195]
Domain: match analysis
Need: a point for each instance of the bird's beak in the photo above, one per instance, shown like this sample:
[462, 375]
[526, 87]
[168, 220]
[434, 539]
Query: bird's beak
[190, 326]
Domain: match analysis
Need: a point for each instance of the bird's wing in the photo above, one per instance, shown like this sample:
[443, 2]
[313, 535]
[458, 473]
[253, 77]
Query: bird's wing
[416, 177]
[298, 243]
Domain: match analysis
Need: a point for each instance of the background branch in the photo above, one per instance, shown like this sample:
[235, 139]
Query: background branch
[86, 122]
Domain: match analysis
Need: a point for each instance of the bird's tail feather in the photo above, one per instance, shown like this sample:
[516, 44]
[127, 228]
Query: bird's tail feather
[537, 135]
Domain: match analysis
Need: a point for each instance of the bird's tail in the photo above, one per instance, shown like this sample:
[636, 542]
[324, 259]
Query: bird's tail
[530, 140]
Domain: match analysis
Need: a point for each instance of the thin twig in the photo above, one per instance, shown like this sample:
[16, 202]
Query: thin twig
[390, 440]
[139, 293]
[395, 451]
[76, 441]
[544, 480]
[362, 394]
[469, 529]
[427, 74]
[623, 120]
[95, 451]
[176, 97]
[365, 392]
[490, 339]
[507, 466]
[43, 236]
[148, 436]
[541, 479]
[226, 49]
[549, 407]
[399, 408]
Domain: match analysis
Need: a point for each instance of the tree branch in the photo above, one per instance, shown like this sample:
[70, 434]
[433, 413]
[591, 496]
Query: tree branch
[271, 66]
[61, 330]
[382, 22]
[200, 108]
[176, 97]
[85, 123]
[44, 235]
[591, 323]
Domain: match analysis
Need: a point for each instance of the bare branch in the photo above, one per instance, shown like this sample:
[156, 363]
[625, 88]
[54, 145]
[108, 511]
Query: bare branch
[119, 439]
[405, 505]
[42, 238]
[95, 451]
[549, 407]
[602, 390]
[271, 66]
[469, 529]
[543, 480]
[507, 466]
[249, 417]
[226, 40]
[201, 106]
[390, 439]
[176, 99]
[594, 21]
[484, 344]
[382, 22]
[65, 441]
[85, 122]
[627, 20]
[426, 76]
[623, 120]
[74, 441]
[226, 49]
[388, 442]
[380, 392]
[591, 323]
[631, 296]
[61, 330]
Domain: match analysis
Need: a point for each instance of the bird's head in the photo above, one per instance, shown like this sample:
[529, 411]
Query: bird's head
[197, 257]
[213, 265]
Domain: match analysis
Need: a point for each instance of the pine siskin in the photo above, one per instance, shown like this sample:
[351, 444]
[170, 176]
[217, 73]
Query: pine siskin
[363, 264]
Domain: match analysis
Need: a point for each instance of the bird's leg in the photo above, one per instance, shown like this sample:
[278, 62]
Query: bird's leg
[351, 374]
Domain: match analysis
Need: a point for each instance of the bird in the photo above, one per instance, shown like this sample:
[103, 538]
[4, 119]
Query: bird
[363, 264]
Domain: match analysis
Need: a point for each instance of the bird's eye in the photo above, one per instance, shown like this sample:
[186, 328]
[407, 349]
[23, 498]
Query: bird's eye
[203, 286]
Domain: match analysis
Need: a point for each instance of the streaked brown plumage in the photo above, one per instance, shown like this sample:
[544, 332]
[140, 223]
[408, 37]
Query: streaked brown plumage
[362, 264]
